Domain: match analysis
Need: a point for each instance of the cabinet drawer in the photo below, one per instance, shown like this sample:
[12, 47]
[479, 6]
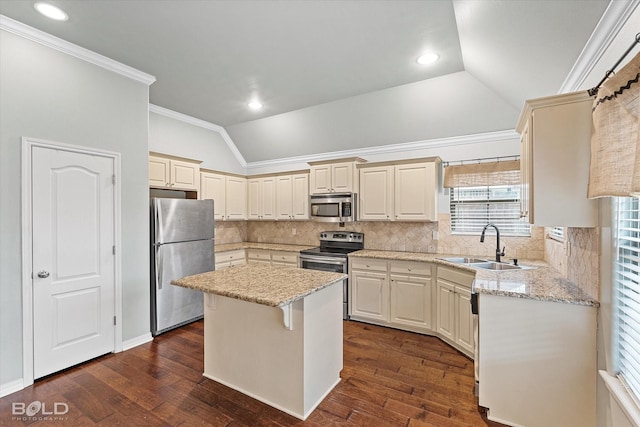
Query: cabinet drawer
[230, 256]
[456, 276]
[258, 254]
[369, 264]
[284, 257]
[410, 268]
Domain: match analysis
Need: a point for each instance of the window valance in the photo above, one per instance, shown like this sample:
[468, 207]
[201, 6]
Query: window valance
[482, 174]
[615, 140]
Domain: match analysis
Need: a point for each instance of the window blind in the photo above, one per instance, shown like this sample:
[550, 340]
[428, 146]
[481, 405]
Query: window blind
[626, 285]
[474, 207]
[557, 233]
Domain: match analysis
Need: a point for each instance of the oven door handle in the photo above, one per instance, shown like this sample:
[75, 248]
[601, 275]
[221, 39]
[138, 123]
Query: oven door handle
[322, 259]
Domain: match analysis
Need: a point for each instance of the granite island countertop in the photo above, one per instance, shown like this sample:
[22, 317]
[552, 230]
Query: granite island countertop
[272, 285]
[541, 282]
[265, 246]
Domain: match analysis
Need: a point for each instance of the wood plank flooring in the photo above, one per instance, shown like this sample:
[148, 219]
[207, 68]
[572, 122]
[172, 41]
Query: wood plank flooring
[390, 378]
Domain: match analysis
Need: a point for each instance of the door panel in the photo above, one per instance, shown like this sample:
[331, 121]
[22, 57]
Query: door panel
[73, 260]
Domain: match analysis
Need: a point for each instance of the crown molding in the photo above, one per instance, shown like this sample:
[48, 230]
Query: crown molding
[610, 24]
[391, 148]
[45, 39]
[203, 124]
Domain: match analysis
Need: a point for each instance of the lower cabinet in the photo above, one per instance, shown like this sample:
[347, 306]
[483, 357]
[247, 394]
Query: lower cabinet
[266, 256]
[454, 319]
[230, 258]
[391, 293]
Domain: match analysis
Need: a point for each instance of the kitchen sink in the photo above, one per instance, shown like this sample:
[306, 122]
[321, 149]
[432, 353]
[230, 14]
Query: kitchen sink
[465, 260]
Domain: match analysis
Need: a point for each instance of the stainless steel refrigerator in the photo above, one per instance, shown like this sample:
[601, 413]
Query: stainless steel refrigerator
[182, 244]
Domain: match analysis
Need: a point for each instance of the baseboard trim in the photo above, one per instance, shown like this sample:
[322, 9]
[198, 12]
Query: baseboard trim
[11, 387]
[134, 342]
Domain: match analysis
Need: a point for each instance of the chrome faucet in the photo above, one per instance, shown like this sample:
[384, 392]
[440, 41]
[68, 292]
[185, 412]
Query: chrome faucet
[499, 253]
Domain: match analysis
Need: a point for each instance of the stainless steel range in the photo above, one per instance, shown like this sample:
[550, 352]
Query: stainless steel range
[332, 255]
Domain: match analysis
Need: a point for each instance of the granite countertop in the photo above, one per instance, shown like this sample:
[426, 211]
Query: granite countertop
[272, 285]
[540, 282]
[267, 246]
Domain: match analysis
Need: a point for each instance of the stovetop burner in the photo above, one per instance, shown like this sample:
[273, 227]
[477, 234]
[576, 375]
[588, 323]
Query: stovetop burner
[336, 243]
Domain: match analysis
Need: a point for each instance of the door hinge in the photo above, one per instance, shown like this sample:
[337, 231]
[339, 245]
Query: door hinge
[114, 320]
[113, 249]
[113, 179]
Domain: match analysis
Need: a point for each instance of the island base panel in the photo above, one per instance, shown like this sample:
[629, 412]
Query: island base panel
[248, 348]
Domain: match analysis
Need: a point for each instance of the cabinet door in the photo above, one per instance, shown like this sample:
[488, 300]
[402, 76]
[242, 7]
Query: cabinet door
[342, 177]
[284, 258]
[213, 186]
[411, 301]
[268, 198]
[159, 172]
[463, 319]
[185, 175]
[415, 192]
[370, 295]
[254, 200]
[300, 196]
[445, 310]
[258, 256]
[525, 174]
[320, 179]
[284, 194]
[376, 193]
[236, 198]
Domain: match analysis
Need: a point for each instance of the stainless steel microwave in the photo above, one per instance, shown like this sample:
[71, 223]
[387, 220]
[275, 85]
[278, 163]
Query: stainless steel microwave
[333, 207]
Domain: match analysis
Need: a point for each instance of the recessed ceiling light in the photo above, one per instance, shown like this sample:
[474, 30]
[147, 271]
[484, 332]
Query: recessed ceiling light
[427, 58]
[255, 105]
[51, 11]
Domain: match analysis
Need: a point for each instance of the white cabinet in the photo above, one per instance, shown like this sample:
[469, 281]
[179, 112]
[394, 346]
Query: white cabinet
[411, 294]
[173, 173]
[398, 294]
[228, 192]
[290, 259]
[262, 198]
[334, 177]
[369, 290]
[454, 319]
[292, 197]
[555, 155]
[375, 198]
[402, 191]
[537, 362]
[230, 258]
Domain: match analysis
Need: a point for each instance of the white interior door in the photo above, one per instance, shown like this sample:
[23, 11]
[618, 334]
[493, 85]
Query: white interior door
[73, 199]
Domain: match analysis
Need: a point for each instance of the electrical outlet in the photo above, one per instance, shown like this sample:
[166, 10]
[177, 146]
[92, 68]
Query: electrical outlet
[293, 231]
[435, 235]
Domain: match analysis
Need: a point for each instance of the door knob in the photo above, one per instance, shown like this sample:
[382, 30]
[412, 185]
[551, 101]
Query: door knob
[43, 274]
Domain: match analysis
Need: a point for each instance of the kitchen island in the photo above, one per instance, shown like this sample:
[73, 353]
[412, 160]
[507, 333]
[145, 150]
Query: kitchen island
[273, 332]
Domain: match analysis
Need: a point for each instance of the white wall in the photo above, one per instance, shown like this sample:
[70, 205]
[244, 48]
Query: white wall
[53, 96]
[169, 135]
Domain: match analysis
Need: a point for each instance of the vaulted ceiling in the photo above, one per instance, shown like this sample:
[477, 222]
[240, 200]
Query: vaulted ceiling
[335, 75]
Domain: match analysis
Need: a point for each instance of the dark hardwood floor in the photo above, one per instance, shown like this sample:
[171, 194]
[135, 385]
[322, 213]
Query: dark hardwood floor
[390, 378]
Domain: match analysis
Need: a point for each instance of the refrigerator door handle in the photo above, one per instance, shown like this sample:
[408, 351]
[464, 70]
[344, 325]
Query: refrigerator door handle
[158, 259]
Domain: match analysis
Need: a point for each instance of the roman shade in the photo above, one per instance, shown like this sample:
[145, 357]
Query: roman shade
[482, 174]
[615, 140]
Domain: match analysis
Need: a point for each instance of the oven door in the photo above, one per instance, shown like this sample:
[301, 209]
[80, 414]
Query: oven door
[334, 265]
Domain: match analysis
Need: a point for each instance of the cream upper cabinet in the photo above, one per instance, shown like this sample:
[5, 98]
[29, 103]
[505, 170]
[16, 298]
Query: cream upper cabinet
[236, 198]
[229, 194]
[375, 198]
[416, 192]
[555, 155]
[173, 173]
[292, 197]
[399, 191]
[334, 177]
[262, 198]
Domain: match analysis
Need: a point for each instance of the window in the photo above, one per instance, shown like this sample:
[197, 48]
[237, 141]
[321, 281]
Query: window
[474, 207]
[557, 233]
[626, 292]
